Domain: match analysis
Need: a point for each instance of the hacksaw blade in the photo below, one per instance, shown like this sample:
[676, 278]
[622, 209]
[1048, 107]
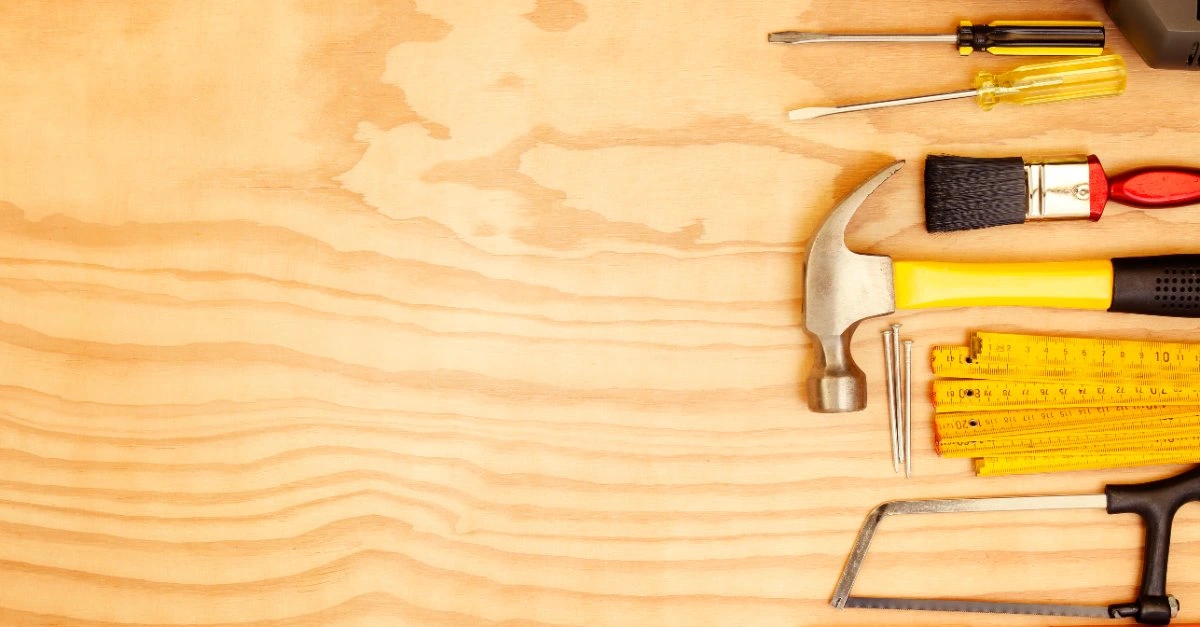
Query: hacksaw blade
[980, 607]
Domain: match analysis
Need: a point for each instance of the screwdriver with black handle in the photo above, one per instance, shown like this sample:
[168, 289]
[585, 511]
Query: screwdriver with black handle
[1011, 37]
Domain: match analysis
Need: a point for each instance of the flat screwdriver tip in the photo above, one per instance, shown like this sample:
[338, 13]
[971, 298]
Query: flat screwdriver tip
[808, 113]
[795, 37]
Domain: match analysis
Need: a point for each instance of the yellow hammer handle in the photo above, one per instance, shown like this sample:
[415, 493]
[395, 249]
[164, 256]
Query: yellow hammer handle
[1059, 284]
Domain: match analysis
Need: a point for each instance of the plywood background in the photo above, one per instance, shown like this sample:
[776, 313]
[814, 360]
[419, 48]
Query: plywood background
[458, 313]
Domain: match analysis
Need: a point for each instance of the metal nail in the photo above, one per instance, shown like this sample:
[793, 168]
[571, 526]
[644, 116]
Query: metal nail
[908, 344]
[896, 359]
[889, 355]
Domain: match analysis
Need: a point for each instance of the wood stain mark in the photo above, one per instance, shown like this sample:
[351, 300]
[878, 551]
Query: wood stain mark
[557, 16]
[551, 223]
[343, 72]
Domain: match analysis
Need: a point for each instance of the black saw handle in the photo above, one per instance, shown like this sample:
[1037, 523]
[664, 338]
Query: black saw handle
[1156, 503]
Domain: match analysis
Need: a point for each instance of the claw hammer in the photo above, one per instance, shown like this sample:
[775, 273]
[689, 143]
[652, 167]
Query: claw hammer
[842, 288]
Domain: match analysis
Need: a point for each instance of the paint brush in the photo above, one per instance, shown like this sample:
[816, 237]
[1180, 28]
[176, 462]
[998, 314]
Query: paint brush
[963, 193]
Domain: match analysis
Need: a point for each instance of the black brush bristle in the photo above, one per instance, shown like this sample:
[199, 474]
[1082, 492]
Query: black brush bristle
[963, 193]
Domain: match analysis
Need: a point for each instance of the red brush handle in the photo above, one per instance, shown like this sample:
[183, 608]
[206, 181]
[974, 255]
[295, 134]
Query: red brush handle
[1156, 187]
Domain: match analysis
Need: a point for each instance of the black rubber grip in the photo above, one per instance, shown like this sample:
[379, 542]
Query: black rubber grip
[980, 37]
[1167, 285]
[1156, 503]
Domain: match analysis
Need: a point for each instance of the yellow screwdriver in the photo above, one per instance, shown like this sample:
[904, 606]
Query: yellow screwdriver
[1072, 79]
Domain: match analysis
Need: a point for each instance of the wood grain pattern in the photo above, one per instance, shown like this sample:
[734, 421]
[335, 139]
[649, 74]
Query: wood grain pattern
[458, 313]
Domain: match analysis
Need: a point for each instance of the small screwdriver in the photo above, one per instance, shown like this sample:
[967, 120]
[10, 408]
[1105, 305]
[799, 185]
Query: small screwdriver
[1001, 37]
[1029, 84]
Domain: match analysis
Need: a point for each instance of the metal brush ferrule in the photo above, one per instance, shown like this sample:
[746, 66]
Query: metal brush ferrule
[1058, 188]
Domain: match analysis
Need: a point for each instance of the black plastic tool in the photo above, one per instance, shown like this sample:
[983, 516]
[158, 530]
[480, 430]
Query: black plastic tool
[1166, 285]
[1009, 37]
[1156, 503]
[1032, 38]
[1165, 32]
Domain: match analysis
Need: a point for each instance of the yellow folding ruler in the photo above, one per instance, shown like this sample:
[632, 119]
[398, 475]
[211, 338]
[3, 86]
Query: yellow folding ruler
[1031, 403]
[975, 425]
[1077, 351]
[957, 362]
[1011, 356]
[951, 395]
[1029, 464]
[1081, 440]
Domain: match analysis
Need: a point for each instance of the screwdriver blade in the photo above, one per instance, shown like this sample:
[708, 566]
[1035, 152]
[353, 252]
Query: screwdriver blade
[804, 37]
[809, 113]
[795, 37]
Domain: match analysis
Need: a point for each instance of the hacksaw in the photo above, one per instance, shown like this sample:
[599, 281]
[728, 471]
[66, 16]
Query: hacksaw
[1155, 502]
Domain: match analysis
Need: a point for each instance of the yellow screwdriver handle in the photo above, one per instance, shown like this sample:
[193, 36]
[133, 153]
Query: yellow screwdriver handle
[1091, 77]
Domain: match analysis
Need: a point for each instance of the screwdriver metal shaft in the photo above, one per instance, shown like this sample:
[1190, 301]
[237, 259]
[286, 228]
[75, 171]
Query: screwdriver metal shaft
[808, 113]
[803, 37]
[1001, 37]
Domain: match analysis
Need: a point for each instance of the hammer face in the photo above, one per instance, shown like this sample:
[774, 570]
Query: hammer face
[841, 289]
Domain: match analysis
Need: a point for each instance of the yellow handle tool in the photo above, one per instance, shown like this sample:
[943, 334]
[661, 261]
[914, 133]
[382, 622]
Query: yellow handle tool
[1063, 284]
[1087, 77]
[1168, 285]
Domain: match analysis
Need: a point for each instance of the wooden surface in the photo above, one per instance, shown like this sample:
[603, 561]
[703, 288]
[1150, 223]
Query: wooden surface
[456, 313]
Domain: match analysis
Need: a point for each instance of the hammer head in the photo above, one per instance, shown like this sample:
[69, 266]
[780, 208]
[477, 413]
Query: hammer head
[841, 289]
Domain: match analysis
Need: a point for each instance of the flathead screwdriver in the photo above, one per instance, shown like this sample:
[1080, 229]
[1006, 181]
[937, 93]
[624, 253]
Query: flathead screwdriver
[1029, 84]
[1009, 37]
